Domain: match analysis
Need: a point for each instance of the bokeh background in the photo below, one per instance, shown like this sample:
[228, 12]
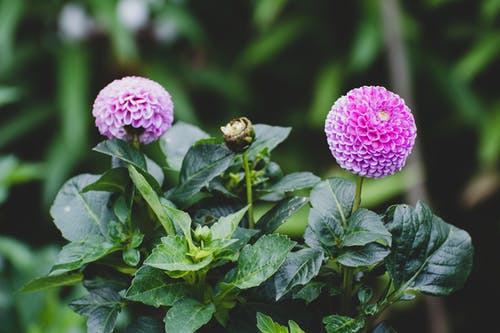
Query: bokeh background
[281, 62]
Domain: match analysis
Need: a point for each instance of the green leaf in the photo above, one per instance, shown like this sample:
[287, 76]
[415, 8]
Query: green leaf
[153, 287]
[364, 227]
[9, 95]
[152, 199]
[335, 197]
[267, 136]
[172, 255]
[479, 56]
[77, 254]
[294, 181]
[428, 254]
[78, 215]
[101, 306]
[267, 325]
[187, 316]
[131, 256]
[260, 261]
[326, 89]
[52, 281]
[383, 328]
[201, 164]
[122, 39]
[177, 141]
[331, 202]
[323, 231]
[342, 324]
[265, 12]
[113, 180]
[367, 40]
[360, 256]
[268, 45]
[124, 151]
[225, 227]
[278, 215]
[298, 269]
[309, 292]
[181, 219]
[24, 122]
[294, 327]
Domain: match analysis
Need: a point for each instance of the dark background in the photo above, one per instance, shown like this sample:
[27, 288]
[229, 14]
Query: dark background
[281, 62]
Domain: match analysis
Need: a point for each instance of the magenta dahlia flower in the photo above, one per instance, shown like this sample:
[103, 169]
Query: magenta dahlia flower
[370, 132]
[133, 105]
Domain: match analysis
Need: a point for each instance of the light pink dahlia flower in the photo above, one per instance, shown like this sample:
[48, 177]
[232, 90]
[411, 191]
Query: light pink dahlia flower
[133, 105]
[370, 132]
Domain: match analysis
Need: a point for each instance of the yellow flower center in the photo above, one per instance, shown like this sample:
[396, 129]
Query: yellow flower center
[383, 115]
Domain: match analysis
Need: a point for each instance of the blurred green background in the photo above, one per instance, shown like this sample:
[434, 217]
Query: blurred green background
[281, 62]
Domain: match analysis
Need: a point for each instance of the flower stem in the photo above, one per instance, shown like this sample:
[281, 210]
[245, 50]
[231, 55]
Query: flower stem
[348, 272]
[357, 196]
[135, 141]
[248, 180]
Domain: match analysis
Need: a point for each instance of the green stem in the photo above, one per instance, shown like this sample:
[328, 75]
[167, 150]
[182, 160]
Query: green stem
[357, 197]
[348, 272]
[135, 141]
[248, 180]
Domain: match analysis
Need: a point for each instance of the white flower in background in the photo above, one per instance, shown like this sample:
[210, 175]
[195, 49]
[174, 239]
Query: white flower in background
[74, 23]
[133, 14]
[165, 30]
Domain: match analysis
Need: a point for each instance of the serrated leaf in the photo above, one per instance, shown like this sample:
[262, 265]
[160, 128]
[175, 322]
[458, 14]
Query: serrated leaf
[101, 306]
[360, 256]
[172, 255]
[427, 253]
[293, 182]
[152, 199]
[187, 316]
[78, 215]
[265, 324]
[342, 324]
[52, 281]
[122, 150]
[334, 197]
[177, 141]
[267, 137]
[364, 227]
[309, 292]
[323, 232]
[77, 254]
[260, 261]
[331, 202]
[278, 215]
[153, 287]
[201, 164]
[298, 269]
[225, 227]
[113, 180]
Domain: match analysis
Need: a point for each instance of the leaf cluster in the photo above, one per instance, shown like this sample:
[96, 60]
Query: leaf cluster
[184, 253]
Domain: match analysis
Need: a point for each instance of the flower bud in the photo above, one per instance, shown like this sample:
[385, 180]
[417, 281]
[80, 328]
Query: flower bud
[238, 134]
[202, 233]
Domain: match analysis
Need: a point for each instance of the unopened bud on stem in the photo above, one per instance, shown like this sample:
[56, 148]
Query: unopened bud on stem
[238, 134]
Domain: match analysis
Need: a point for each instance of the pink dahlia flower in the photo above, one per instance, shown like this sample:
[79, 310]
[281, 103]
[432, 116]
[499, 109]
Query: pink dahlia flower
[370, 132]
[133, 105]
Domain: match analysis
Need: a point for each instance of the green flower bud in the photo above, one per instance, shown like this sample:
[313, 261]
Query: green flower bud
[202, 233]
[238, 134]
